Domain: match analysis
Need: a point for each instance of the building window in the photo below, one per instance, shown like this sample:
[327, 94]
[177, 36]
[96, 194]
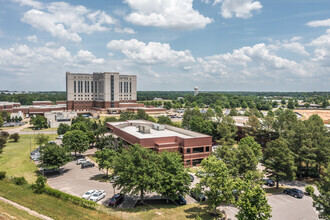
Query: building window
[121, 87]
[207, 149]
[198, 150]
[197, 161]
[188, 151]
[74, 86]
[112, 87]
[130, 87]
[88, 86]
[92, 86]
[85, 86]
[78, 86]
[188, 162]
[95, 86]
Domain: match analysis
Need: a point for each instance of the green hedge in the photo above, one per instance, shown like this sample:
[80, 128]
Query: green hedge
[67, 197]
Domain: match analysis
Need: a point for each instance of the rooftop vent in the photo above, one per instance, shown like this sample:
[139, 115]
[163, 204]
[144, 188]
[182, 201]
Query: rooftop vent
[144, 129]
[158, 127]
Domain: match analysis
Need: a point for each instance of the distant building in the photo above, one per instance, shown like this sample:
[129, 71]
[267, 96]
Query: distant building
[54, 119]
[192, 146]
[195, 91]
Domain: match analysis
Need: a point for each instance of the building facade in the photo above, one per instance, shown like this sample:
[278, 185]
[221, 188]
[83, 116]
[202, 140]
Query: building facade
[192, 146]
[99, 90]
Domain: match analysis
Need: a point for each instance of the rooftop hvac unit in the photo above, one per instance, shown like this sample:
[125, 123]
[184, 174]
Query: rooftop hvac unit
[144, 129]
[158, 127]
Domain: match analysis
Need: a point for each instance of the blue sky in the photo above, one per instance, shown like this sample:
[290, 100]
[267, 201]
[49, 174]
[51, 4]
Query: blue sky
[222, 45]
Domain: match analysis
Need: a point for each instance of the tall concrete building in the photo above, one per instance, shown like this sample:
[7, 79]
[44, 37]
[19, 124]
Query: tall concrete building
[97, 91]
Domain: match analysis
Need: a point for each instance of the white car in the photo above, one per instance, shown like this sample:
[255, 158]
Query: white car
[81, 161]
[98, 195]
[59, 137]
[88, 194]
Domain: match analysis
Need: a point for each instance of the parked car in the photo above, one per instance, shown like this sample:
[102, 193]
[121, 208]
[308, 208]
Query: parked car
[180, 200]
[294, 192]
[87, 164]
[97, 196]
[113, 178]
[269, 182]
[197, 195]
[81, 161]
[59, 137]
[88, 194]
[191, 178]
[116, 200]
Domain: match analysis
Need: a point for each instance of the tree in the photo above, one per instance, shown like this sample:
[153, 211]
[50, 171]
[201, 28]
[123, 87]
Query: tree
[76, 141]
[104, 158]
[322, 201]
[40, 185]
[141, 114]
[218, 112]
[3, 142]
[279, 161]
[15, 137]
[233, 112]
[209, 114]
[252, 126]
[63, 128]
[227, 129]
[136, 171]
[268, 123]
[290, 104]
[42, 139]
[1, 122]
[53, 156]
[215, 182]
[247, 161]
[252, 204]
[285, 120]
[124, 116]
[244, 104]
[82, 126]
[228, 155]
[164, 120]
[39, 122]
[174, 179]
[251, 143]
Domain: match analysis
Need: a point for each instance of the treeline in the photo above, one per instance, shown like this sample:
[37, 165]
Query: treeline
[27, 99]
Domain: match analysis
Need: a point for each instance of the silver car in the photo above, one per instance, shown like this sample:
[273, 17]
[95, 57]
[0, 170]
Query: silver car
[97, 196]
[88, 194]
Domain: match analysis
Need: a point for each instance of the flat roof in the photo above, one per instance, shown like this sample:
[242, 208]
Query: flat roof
[169, 131]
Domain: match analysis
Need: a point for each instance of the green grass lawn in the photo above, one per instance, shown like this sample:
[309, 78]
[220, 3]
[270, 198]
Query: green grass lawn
[48, 205]
[15, 159]
[8, 211]
[44, 129]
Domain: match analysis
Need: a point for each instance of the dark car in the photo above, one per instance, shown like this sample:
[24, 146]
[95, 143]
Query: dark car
[294, 192]
[180, 200]
[87, 164]
[116, 200]
[269, 182]
[197, 195]
[191, 178]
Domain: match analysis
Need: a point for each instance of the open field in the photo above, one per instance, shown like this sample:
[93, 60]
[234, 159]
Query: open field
[324, 114]
[15, 159]
[8, 211]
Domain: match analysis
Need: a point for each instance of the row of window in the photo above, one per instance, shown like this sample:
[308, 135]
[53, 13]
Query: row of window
[196, 150]
[127, 87]
[87, 86]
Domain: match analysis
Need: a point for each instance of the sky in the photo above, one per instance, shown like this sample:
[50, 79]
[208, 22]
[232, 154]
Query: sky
[171, 45]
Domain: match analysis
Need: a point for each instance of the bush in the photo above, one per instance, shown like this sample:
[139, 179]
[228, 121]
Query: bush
[3, 142]
[15, 137]
[40, 185]
[309, 189]
[64, 196]
[2, 175]
[19, 180]
[4, 134]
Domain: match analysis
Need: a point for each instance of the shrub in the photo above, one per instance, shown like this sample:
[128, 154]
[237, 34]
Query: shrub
[40, 185]
[64, 196]
[15, 137]
[19, 180]
[4, 134]
[3, 142]
[2, 175]
[309, 189]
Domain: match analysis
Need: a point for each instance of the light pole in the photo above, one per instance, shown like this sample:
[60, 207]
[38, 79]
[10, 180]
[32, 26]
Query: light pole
[30, 148]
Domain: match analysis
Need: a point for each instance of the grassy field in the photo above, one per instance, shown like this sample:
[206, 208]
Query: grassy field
[15, 159]
[10, 212]
[48, 205]
[44, 129]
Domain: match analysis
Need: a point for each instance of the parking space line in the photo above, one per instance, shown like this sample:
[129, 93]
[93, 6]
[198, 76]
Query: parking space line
[282, 197]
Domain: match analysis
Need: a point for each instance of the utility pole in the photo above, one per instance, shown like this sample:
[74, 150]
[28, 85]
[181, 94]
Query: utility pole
[30, 148]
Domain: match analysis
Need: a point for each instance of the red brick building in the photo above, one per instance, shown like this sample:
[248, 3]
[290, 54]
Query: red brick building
[193, 146]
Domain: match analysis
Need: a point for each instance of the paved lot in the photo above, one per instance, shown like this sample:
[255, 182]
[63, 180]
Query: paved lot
[77, 181]
[284, 207]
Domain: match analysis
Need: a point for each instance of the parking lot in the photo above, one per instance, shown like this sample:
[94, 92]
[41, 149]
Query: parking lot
[77, 181]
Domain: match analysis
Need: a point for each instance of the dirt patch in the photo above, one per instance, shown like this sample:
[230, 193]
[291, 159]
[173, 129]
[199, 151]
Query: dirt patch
[324, 114]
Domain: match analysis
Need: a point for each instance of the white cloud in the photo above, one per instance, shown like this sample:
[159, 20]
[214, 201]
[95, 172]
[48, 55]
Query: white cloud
[319, 23]
[151, 53]
[124, 30]
[31, 3]
[292, 46]
[237, 8]
[322, 48]
[66, 21]
[32, 38]
[85, 56]
[171, 14]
